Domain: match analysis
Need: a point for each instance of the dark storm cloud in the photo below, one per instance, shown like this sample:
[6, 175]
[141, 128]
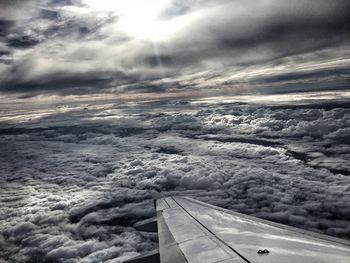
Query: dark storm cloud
[312, 75]
[220, 37]
[151, 86]
[60, 83]
[65, 83]
[50, 25]
[49, 14]
[64, 2]
[17, 41]
[279, 28]
[4, 25]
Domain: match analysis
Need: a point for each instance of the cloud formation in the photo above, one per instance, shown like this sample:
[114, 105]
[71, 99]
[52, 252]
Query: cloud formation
[76, 178]
[85, 46]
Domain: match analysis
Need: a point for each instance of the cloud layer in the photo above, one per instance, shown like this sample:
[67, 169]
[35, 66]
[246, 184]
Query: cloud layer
[76, 178]
[88, 46]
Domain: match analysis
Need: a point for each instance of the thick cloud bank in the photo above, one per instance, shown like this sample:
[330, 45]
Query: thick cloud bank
[74, 179]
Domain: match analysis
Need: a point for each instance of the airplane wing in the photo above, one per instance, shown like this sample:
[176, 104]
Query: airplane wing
[193, 231]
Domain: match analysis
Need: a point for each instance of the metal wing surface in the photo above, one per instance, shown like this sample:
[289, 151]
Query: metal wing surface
[193, 231]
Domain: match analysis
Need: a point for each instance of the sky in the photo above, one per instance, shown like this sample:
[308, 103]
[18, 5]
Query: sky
[86, 47]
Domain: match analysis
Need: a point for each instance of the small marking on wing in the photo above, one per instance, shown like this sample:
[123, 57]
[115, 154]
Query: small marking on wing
[262, 252]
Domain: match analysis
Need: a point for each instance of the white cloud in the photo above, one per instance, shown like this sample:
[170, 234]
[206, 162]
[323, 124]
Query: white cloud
[74, 182]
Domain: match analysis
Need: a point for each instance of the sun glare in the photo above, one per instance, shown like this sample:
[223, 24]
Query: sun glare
[139, 18]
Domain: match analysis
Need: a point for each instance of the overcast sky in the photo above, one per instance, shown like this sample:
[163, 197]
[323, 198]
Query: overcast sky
[101, 46]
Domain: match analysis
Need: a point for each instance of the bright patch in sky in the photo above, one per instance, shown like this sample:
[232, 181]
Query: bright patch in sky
[137, 18]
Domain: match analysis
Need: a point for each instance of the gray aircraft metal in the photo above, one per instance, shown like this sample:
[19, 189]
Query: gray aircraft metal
[193, 231]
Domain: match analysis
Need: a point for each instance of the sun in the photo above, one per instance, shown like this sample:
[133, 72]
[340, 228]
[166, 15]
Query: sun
[139, 18]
